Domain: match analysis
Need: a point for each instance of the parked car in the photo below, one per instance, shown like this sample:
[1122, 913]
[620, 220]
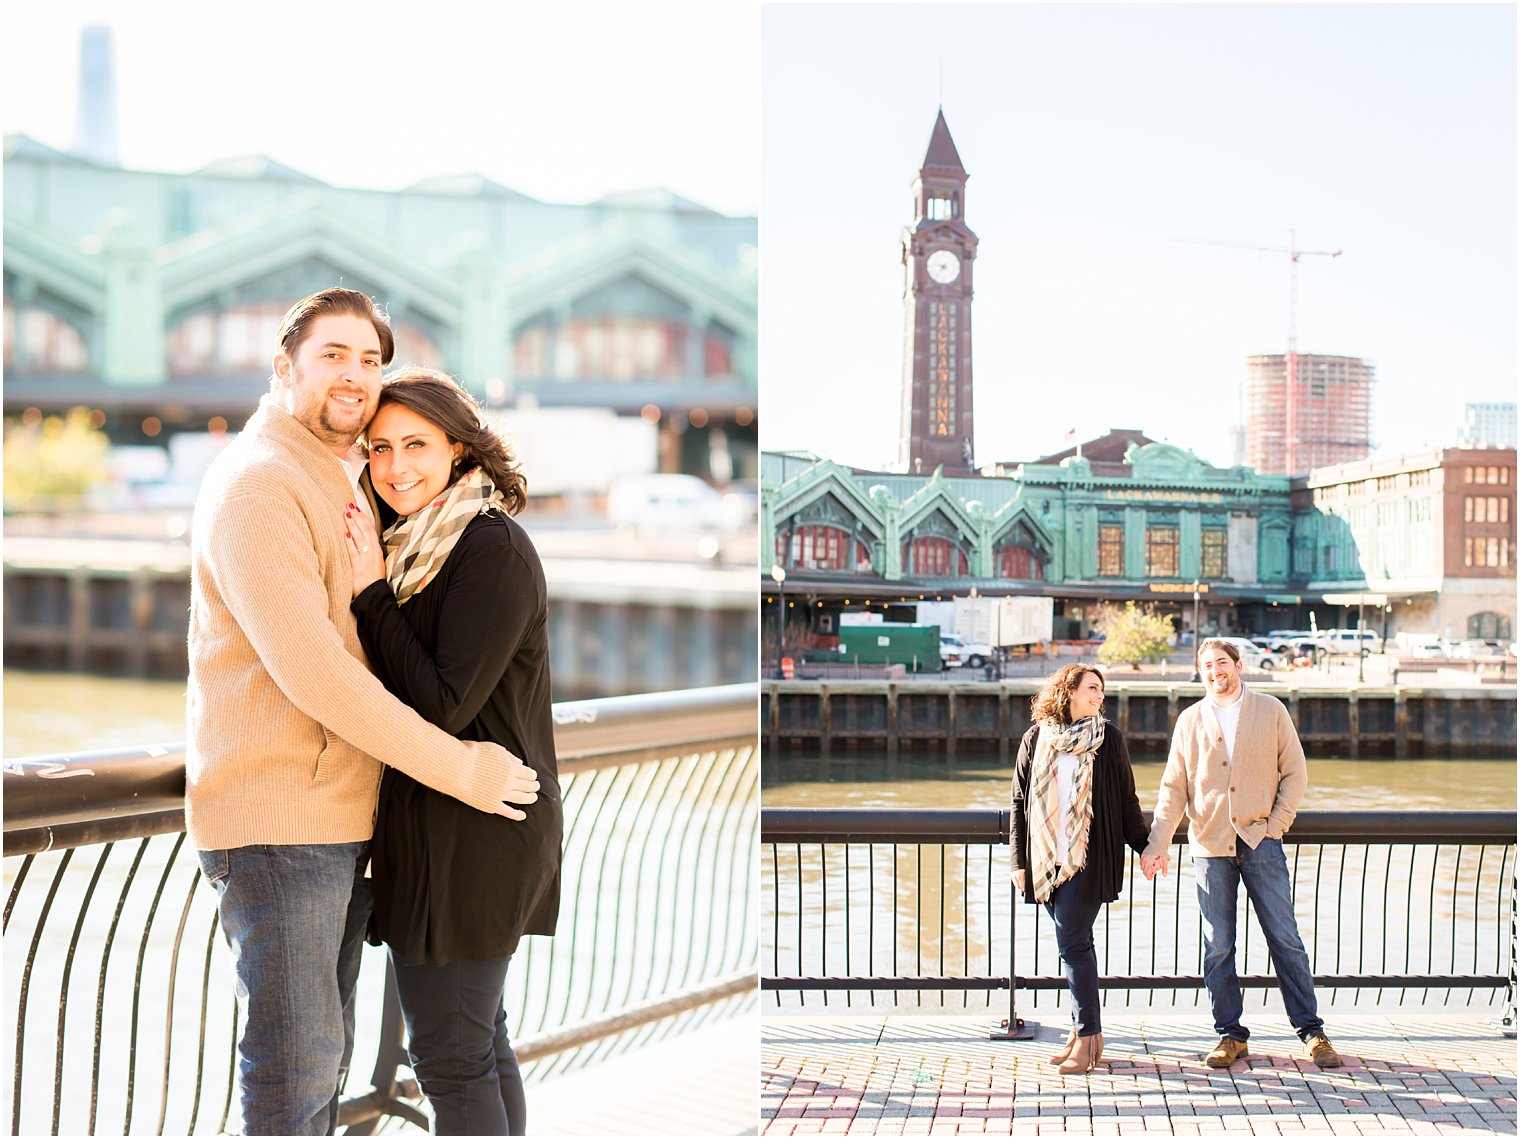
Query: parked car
[1252, 655]
[1302, 650]
[954, 650]
[1348, 642]
[1467, 650]
[666, 502]
[1428, 648]
[1278, 638]
[741, 504]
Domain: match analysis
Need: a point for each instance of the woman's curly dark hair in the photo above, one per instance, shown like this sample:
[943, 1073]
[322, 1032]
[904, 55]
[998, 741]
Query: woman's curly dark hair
[1052, 703]
[439, 398]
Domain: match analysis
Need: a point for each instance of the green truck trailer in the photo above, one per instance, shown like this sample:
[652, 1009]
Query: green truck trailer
[916, 646]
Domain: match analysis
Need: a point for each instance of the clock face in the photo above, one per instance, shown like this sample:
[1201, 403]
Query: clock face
[944, 266]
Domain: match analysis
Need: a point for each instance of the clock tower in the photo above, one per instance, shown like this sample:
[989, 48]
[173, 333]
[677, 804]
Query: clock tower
[937, 255]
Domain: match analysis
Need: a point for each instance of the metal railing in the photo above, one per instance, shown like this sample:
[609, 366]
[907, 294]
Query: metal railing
[122, 997]
[913, 908]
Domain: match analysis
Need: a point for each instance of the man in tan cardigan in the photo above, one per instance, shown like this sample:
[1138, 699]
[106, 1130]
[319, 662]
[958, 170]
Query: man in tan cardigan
[1237, 768]
[288, 729]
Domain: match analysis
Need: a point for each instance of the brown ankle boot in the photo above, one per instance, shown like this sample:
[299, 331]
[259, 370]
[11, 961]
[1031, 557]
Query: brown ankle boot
[1062, 1056]
[1083, 1057]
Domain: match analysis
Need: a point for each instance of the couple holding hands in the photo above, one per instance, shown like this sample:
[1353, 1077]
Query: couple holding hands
[1236, 768]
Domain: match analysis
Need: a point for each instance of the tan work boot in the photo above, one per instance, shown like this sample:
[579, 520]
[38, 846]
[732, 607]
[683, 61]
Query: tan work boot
[1321, 1052]
[1226, 1052]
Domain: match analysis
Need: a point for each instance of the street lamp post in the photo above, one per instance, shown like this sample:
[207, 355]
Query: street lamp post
[1195, 629]
[1361, 644]
[778, 575]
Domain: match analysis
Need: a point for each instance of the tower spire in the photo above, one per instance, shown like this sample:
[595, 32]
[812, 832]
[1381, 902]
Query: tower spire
[942, 155]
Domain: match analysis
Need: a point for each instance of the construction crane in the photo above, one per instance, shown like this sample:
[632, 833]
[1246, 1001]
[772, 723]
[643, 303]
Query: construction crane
[1290, 410]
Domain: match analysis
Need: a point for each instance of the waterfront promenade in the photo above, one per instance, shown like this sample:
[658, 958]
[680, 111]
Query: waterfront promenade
[697, 1083]
[1436, 1072]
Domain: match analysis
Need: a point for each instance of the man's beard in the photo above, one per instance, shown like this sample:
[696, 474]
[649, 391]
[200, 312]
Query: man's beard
[322, 425]
[336, 434]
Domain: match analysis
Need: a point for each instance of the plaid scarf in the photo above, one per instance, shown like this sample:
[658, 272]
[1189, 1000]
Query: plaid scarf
[1082, 738]
[417, 545]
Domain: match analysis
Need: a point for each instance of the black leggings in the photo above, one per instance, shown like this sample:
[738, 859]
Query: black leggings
[456, 1032]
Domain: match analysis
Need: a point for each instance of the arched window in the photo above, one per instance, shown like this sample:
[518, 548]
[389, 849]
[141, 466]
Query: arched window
[823, 548]
[1019, 563]
[719, 354]
[37, 340]
[934, 557]
[1488, 627]
[614, 348]
[240, 338]
[415, 346]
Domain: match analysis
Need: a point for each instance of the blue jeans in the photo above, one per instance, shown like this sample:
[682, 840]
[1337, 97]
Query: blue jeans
[1265, 874]
[1074, 920]
[295, 918]
[456, 1035]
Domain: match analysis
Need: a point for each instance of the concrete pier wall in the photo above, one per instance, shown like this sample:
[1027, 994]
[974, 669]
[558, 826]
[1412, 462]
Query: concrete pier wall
[989, 718]
[653, 629]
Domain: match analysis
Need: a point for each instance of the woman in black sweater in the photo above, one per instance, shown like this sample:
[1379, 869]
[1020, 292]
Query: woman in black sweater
[1074, 810]
[452, 618]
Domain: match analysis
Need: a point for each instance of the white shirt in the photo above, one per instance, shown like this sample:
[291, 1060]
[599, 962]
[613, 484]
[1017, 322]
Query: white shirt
[1066, 772]
[1228, 716]
[353, 467]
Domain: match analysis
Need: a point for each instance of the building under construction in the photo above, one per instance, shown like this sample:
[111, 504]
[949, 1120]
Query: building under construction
[1307, 411]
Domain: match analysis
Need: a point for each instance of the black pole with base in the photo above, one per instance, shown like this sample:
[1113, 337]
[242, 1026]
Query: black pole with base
[1015, 1027]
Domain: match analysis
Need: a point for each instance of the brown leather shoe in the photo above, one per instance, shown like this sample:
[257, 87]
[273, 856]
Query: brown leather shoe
[1226, 1052]
[1321, 1053]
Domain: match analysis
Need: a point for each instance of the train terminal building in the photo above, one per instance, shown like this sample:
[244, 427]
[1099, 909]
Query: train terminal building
[152, 299]
[1426, 542]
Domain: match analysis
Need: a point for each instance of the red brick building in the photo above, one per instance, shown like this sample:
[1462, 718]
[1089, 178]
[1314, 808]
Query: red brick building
[1433, 531]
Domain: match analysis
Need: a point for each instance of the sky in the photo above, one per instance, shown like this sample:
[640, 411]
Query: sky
[564, 102]
[1097, 135]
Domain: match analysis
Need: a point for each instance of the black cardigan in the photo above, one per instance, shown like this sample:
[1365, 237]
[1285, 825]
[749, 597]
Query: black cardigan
[1116, 818]
[470, 653]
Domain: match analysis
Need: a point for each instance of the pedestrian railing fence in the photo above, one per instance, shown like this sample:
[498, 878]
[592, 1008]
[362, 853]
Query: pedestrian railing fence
[876, 907]
[120, 990]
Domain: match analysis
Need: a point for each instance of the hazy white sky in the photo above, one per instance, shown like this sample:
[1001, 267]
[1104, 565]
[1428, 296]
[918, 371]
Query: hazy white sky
[1096, 134]
[565, 102]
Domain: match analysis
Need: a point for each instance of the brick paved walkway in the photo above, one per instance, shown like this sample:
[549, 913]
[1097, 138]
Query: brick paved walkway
[903, 1075]
[700, 1082]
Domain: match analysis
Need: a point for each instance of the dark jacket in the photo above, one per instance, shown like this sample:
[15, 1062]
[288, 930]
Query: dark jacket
[471, 653]
[1116, 818]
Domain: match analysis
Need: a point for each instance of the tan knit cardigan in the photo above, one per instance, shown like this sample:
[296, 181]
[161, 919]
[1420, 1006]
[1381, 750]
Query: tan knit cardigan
[1254, 797]
[287, 726]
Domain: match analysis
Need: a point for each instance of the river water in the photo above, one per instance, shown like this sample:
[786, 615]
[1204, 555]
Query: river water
[861, 779]
[51, 712]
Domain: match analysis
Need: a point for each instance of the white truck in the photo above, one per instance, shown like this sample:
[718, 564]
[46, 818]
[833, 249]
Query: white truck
[954, 651]
[981, 627]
